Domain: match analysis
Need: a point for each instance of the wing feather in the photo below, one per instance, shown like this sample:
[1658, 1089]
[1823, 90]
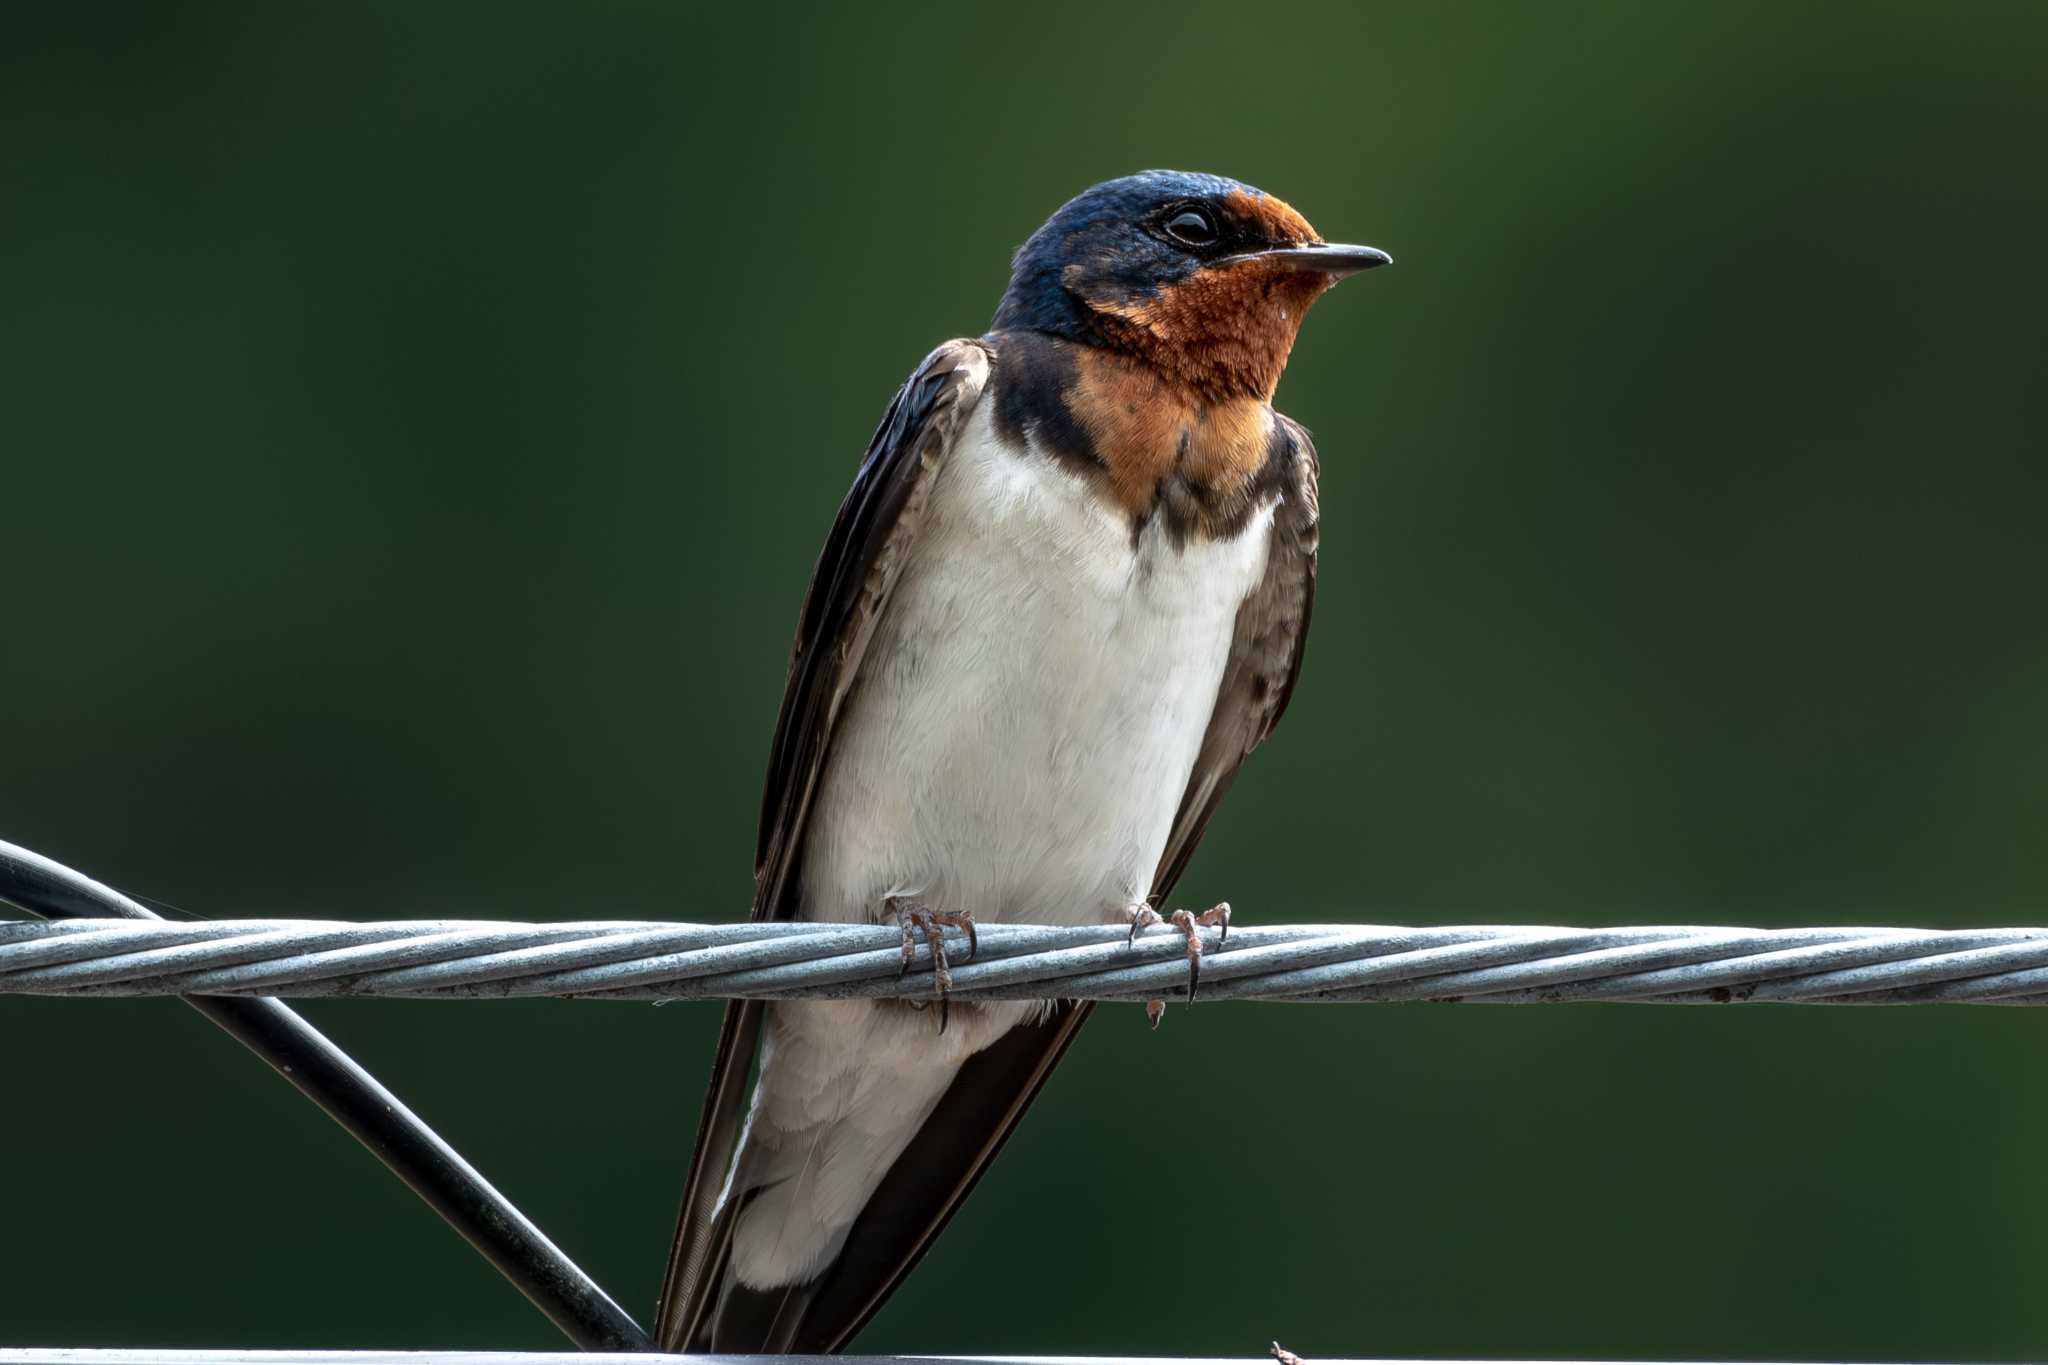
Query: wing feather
[856, 571]
[1265, 655]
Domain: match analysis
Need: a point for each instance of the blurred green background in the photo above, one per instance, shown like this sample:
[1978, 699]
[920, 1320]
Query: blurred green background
[419, 424]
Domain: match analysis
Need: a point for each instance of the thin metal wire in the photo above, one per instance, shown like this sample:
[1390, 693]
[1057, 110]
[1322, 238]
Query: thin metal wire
[355, 1099]
[130, 1356]
[634, 960]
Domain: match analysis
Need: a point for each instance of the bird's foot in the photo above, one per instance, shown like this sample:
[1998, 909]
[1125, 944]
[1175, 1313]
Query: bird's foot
[1283, 1355]
[920, 920]
[1190, 924]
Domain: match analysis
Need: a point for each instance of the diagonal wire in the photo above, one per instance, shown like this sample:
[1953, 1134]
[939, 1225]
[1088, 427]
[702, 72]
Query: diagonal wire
[87, 948]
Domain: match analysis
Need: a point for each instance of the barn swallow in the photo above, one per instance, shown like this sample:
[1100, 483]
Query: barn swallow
[1064, 599]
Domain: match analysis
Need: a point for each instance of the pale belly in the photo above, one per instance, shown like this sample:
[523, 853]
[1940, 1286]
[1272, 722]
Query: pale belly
[1026, 720]
[1031, 705]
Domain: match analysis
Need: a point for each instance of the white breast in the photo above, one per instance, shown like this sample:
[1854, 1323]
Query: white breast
[1031, 705]
[1025, 722]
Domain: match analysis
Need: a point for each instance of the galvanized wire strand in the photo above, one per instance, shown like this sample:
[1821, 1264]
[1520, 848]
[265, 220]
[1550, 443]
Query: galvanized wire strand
[636, 960]
[72, 1355]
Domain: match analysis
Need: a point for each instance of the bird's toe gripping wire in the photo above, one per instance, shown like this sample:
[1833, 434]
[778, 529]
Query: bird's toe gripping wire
[919, 920]
[1215, 917]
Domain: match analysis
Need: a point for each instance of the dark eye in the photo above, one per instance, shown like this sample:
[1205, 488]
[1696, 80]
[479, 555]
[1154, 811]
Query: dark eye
[1191, 227]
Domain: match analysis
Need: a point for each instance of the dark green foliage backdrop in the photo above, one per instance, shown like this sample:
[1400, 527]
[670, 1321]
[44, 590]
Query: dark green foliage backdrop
[419, 422]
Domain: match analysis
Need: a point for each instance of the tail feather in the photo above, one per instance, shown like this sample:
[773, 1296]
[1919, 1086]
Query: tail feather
[706, 1307]
[696, 1259]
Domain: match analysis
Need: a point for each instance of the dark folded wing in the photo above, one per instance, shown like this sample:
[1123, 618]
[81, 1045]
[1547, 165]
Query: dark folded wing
[1265, 653]
[855, 574]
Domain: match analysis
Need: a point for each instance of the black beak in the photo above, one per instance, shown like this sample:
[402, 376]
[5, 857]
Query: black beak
[1329, 258]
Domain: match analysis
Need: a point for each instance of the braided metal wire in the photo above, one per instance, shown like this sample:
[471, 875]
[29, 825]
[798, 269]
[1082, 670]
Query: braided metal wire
[637, 960]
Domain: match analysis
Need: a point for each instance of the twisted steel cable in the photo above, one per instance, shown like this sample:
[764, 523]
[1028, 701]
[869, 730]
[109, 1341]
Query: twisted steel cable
[637, 960]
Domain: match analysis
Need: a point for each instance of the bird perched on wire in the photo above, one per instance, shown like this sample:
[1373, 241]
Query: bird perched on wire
[1064, 599]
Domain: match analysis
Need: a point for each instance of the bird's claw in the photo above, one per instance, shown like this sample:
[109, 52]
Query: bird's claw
[1190, 924]
[1142, 917]
[920, 920]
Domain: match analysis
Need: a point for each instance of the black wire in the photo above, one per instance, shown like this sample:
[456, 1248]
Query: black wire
[353, 1097]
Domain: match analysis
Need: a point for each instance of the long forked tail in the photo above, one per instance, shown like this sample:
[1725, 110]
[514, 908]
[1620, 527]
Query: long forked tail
[706, 1307]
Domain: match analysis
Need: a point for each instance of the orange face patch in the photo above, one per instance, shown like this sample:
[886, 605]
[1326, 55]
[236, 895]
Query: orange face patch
[1274, 219]
[1224, 332]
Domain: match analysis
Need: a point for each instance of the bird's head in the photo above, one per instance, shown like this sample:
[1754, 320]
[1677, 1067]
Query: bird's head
[1199, 276]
